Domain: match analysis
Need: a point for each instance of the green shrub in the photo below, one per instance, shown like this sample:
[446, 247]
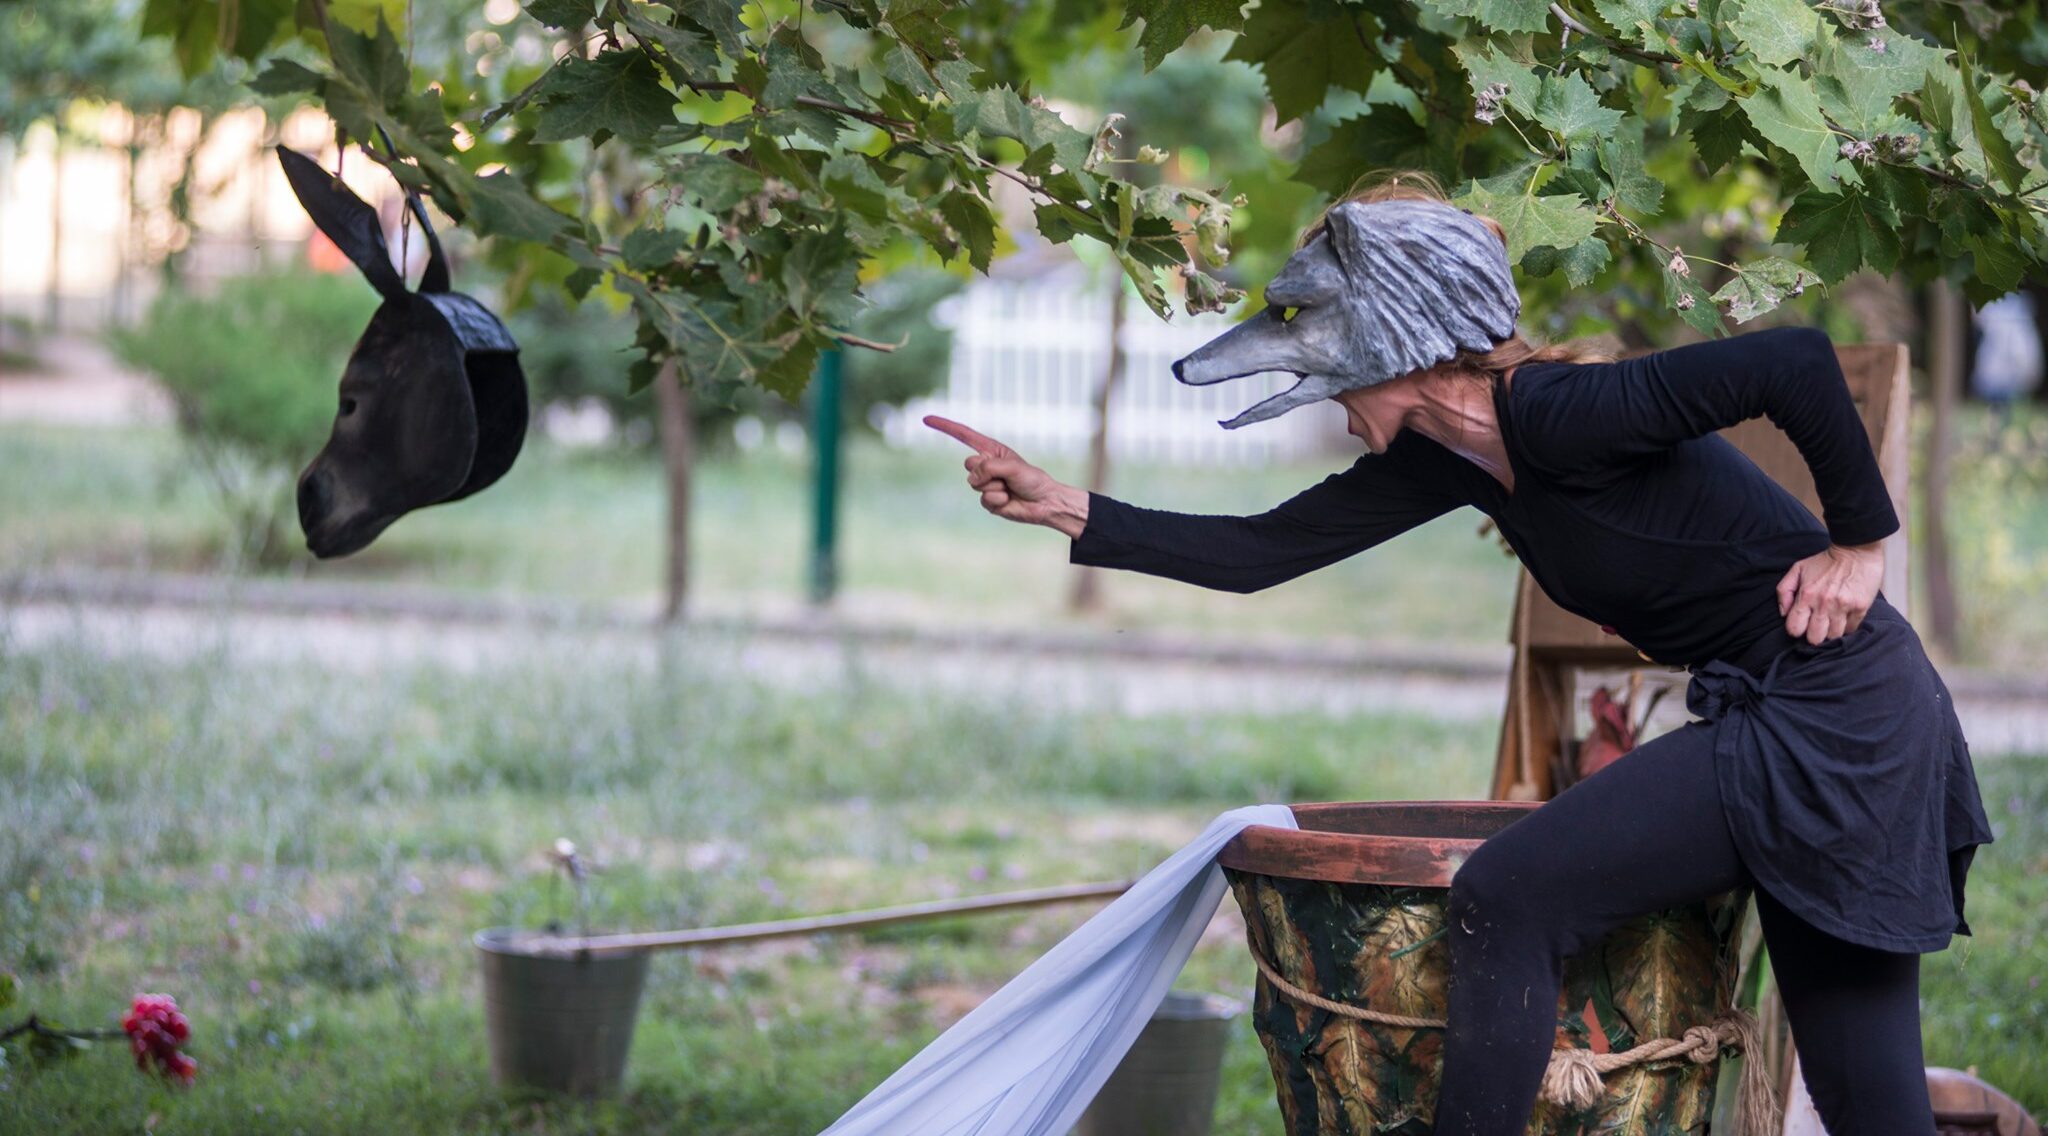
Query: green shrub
[253, 369]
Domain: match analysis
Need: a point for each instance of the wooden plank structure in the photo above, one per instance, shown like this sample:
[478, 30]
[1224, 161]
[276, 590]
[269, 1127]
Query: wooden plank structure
[1552, 646]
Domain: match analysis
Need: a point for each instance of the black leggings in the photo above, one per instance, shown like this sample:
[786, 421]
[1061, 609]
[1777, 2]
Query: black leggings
[1643, 834]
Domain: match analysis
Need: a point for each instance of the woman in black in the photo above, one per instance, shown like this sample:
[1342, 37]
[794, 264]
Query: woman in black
[1826, 768]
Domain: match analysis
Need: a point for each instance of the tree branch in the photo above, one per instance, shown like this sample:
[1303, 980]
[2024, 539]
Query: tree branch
[852, 340]
[1613, 45]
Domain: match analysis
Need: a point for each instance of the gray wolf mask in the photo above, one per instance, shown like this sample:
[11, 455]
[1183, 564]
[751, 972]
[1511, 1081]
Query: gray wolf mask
[1387, 288]
[433, 401]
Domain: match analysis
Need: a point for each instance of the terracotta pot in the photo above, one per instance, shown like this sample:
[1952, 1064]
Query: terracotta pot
[1351, 907]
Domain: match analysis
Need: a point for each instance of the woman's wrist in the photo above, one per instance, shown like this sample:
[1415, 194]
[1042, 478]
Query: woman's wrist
[1069, 512]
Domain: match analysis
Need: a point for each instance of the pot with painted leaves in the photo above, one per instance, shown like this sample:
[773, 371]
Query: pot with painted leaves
[1349, 910]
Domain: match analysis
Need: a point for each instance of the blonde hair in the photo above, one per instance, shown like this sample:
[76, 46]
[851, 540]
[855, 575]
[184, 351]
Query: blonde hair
[1516, 349]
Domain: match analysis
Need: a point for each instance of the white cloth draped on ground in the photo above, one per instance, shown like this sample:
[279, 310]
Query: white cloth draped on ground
[1028, 1060]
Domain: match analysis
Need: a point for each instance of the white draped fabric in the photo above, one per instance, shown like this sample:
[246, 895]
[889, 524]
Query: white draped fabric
[1027, 1061]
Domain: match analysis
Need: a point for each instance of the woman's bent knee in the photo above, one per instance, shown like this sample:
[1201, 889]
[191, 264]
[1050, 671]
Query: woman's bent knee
[1486, 892]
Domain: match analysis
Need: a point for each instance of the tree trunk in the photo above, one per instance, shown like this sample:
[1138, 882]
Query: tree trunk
[1945, 374]
[678, 454]
[53, 302]
[1087, 593]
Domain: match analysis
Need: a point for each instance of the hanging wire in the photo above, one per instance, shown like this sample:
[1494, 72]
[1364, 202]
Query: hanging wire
[404, 212]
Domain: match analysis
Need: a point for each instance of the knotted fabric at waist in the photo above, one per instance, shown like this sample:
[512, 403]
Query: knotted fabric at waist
[1746, 676]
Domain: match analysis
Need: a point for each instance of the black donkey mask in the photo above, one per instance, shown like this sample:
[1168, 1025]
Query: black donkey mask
[433, 402]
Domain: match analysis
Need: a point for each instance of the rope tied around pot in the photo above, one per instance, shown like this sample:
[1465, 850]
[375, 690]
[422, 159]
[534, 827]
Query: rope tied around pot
[1573, 1078]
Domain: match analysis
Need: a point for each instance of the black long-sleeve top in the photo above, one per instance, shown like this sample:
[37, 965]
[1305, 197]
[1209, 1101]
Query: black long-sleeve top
[1627, 509]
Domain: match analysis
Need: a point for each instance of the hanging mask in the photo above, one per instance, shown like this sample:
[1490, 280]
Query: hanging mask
[433, 402]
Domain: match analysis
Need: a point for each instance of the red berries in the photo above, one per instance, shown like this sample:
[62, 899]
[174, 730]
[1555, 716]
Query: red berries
[155, 1030]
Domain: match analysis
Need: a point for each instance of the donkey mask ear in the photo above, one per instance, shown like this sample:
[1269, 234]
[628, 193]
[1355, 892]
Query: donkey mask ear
[497, 386]
[346, 219]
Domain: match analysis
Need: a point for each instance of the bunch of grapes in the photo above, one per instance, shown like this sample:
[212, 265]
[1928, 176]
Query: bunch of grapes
[155, 1031]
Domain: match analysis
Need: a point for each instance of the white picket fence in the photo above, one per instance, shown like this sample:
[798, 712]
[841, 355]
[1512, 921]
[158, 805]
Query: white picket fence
[1028, 355]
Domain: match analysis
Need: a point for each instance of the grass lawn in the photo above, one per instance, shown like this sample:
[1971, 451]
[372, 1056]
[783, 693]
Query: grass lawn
[916, 545]
[300, 858]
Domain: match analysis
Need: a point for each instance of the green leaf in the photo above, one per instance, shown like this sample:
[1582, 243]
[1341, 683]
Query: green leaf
[568, 15]
[647, 249]
[1568, 105]
[1688, 297]
[1561, 220]
[689, 55]
[788, 374]
[718, 183]
[365, 15]
[580, 281]
[857, 187]
[1585, 260]
[969, 216]
[1717, 136]
[1484, 66]
[1635, 20]
[1302, 48]
[1622, 156]
[256, 24]
[905, 70]
[502, 207]
[373, 64]
[1762, 285]
[1168, 23]
[1000, 112]
[793, 72]
[1842, 232]
[192, 29]
[284, 77]
[10, 990]
[1776, 32]
[820, 276]
[1999, 157]
[619, 91]
[1386, 135]
[720, 18]
[1498, 15]
[1786, 111]
[1857, 86]
[919, 24]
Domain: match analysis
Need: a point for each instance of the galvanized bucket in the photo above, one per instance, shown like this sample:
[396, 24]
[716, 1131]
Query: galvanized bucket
[559, 1022]
[1166, 1085]
[1350, 907]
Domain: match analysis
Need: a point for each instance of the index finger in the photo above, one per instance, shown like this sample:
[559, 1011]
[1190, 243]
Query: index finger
[980, 442]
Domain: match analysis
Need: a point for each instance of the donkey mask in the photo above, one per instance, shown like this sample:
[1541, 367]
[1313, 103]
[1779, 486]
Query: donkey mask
[433, 402]
[1387, 288]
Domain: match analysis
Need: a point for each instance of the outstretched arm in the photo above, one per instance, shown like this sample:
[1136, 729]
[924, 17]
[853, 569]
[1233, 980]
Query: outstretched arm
[1340, 516]
[1379, 497]
[1611, 412]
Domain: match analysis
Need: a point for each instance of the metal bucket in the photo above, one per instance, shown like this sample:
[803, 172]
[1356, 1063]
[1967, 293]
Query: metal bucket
[559, 1022]
[1351, 908]
[1166, 1085]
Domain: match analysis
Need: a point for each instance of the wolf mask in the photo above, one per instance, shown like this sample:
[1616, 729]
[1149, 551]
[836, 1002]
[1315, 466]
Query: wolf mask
[433, 401]
[1387, 288]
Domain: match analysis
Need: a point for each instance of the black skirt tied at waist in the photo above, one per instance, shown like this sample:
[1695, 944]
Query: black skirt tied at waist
[1846, 780]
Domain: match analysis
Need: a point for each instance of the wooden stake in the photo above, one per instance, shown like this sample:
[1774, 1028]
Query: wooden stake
[821, 924]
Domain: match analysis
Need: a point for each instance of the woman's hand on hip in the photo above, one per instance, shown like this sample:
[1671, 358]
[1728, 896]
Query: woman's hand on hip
[1827, 594]
[1013, 488]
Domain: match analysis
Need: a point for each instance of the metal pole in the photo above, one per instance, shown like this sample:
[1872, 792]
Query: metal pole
[825, 415]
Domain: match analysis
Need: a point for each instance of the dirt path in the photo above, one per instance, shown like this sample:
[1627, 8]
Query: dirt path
[343, 629]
